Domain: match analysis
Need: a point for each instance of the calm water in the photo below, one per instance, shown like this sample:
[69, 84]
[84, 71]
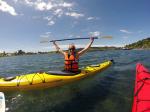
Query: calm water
[109, 91]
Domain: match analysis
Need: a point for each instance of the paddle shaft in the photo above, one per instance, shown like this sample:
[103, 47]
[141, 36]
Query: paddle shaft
[73, 39]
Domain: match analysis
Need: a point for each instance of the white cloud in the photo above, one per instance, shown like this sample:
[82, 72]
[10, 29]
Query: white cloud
[46, 5]
[41, 6]
[58, 12]
[74, 14]
[65, 4]
[92, 18]
[50, 6]
[48, 33]
[28, 2]
[5, 7]
[15, 1]
[48, 18]
[125, 31]
[37, 4]
[50, 23]
[54, 8]
[94, 34]
[44, 36]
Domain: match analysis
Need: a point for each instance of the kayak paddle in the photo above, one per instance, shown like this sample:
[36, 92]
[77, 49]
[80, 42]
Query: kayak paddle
[45, 41]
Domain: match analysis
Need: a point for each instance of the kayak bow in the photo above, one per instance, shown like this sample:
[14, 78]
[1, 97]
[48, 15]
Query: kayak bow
[141, 102]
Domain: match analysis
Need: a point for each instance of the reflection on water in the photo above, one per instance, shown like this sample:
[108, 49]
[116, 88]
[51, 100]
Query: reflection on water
[109, 91]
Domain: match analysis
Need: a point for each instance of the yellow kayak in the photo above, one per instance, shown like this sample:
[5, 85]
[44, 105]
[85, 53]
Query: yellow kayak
[47, 80]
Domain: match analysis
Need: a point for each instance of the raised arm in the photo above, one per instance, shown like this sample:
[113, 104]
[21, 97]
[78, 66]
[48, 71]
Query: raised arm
[58, 48]
[86, 48]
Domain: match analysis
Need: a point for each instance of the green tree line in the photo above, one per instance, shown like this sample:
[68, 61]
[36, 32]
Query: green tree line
[142, 44]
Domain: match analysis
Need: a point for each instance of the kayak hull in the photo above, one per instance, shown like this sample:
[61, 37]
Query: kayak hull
[45, 80]
[141, 102]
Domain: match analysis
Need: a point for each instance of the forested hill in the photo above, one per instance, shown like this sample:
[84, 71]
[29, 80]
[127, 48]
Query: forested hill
[141, 44]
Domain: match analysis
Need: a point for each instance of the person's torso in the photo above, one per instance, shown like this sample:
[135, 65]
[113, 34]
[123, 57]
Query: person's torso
[71, 61]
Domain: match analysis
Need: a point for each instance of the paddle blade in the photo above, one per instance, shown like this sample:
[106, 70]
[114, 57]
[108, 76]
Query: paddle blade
[107, 37]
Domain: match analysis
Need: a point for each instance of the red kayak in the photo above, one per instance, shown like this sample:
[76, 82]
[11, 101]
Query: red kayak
[141, 102]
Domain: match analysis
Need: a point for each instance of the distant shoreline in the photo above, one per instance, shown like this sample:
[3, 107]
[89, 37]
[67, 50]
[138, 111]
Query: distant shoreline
[90, 50]
[139, 45]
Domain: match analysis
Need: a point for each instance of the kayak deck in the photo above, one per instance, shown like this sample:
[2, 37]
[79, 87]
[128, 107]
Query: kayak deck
[141, 102]
[46, 80]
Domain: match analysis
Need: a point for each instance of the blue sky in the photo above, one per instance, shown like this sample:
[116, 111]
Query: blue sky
[24, 23]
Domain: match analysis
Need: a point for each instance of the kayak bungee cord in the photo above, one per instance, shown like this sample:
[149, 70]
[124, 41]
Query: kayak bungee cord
[142, 80]
[30, 82]
[42, 79]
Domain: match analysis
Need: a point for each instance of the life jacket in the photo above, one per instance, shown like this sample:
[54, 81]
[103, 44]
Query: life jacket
[71, 62]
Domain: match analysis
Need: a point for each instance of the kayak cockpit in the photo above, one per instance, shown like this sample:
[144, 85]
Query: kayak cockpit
[63, 73]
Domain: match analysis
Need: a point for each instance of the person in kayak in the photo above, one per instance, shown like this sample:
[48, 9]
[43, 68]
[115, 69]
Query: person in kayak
[72, 56]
